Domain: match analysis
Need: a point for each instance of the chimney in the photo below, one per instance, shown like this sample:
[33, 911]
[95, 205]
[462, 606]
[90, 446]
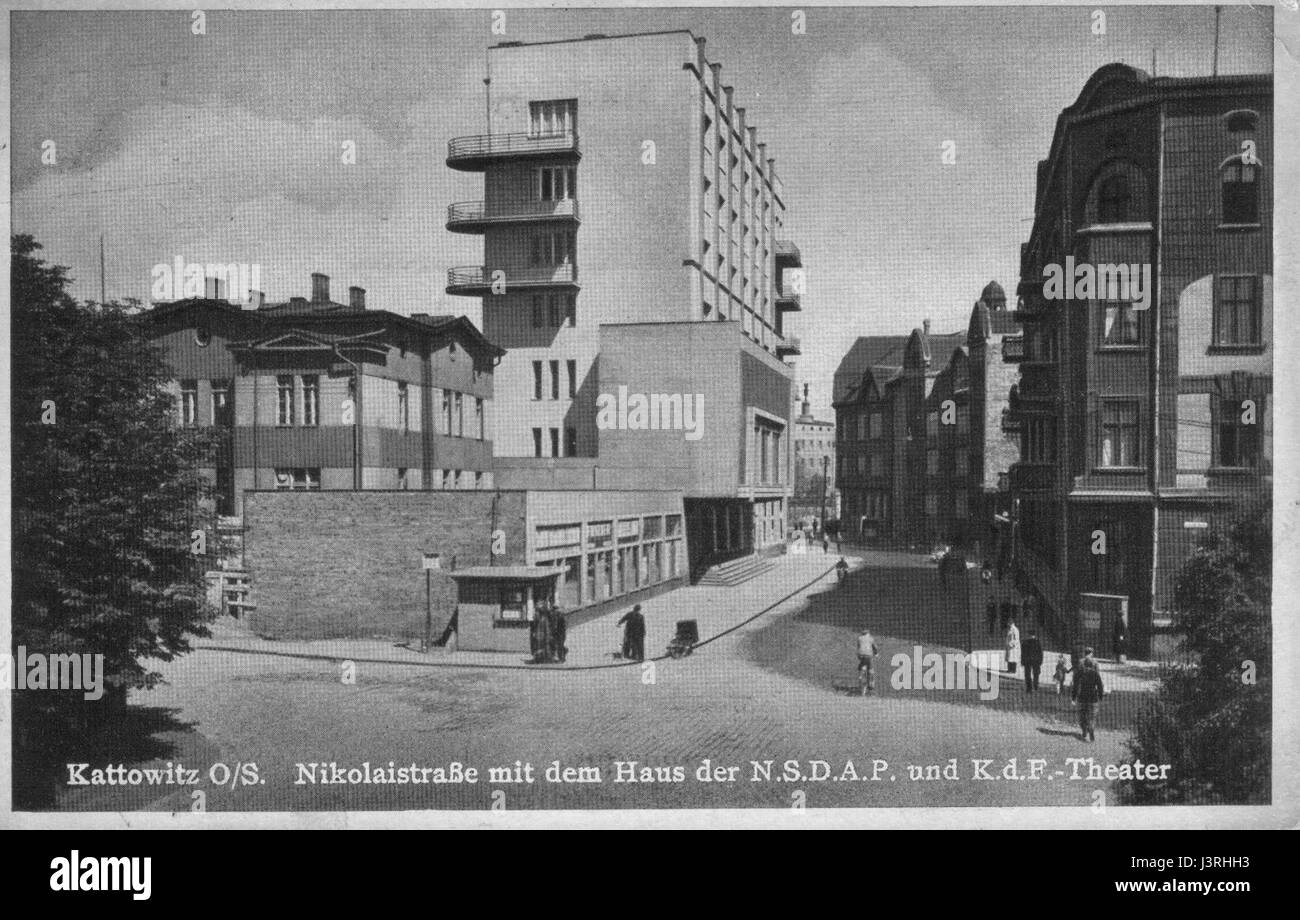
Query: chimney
[320, 287]
[357, 297]
[212, 289]
[255, 300]
[925, 326]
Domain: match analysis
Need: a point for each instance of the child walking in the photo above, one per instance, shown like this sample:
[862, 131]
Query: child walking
[1061, 671]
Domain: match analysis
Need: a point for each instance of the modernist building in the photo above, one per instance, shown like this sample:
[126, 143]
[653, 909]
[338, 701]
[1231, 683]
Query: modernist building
[923, 446]
[814, 458]
[633, 243]
[314, 394]
[1148, 427]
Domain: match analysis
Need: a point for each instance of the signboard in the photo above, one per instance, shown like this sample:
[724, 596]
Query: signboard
[432, 561]
[1196, 525]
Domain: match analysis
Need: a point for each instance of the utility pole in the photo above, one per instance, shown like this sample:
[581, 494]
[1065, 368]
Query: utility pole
[825, 463]
[102, 296]
[1214, 66]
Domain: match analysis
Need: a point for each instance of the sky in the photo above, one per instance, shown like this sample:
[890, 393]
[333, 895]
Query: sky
[226, 147]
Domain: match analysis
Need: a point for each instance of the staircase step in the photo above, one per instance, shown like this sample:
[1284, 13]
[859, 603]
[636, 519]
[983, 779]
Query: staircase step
[735, 571]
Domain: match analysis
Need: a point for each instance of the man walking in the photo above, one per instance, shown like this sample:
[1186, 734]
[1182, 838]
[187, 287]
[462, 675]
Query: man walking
[1090, 688]
[633, 634]
[1031, 654]
[866, 659]
[560, 631]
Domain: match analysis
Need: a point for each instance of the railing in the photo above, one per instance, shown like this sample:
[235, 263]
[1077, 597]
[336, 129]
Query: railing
[474, 211]
[472, 276]
[501, 145]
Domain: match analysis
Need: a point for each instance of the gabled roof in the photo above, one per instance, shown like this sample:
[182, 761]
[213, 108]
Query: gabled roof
[884, 351]
[319, 317]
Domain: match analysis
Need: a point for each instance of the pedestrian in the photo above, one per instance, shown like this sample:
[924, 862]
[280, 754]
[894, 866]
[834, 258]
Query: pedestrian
[841, 569]
[633, 634]
[826, 543]
[1091, 691]
[866, 659]
[1061, 671]
[1076, 662]
[560, 631]
[1119, 640]
[543, 653]
[1031, 653]
[1013, 646]
[991, 615]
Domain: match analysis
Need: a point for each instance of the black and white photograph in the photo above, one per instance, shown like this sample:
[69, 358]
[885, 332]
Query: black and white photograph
[641, 414]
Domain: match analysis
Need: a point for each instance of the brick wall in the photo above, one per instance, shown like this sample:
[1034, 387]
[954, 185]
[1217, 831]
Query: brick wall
[348, 564]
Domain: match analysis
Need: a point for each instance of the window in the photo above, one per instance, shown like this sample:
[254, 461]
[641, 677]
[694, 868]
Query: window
[553, 310]
[1237, 310]
[222, 407]
[932, 462]
[877, 465]
[555, 442]
[961, 504]
[297, 479]
[539, 311]
[570, 310]
[537, 380]
[1119, 433]
[311, 400]
[961, 463]
[480, 426]
[570, 442]
[1236, 443]
[557, 183]
[555, 247]
[1120, 324]
[932, 425]
[446, 411]
[403, 407]
[1038, 440]
[1110, 569]
[401, 478]
[446, 480]
[555, 380]
[537, 442]
[573, 377]
[478, 481]
[1240, 192]
[189, 403]
[458, 416]
[284, 400]
[877, 424]
[1113, 199]
[963, 419]
[932, 504]
[552, 117]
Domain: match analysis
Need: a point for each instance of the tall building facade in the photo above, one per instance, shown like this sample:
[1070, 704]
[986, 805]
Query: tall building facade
[923, 445]
[814, 464]
[1144, 413]
[628, 205]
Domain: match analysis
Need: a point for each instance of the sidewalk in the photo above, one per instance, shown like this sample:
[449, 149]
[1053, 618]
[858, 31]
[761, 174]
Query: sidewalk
[592, 643]
[1133, 676]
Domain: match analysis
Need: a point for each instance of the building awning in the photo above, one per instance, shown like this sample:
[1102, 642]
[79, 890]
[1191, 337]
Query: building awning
[507, 573]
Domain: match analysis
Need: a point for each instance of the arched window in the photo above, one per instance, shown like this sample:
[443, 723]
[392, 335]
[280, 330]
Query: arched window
[1118, 195]
[1113, 199]
[1240, 186]
[1242, 120]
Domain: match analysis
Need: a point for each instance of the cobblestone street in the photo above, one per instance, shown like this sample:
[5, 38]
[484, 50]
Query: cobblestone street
[778, 688]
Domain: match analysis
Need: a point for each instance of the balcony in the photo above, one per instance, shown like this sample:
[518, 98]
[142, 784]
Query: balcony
[1013, 349]
[787, 348]
[478, 281]
[788, 302]
[474, 153]
[787, 255]
[1033, 477]
[477, 216]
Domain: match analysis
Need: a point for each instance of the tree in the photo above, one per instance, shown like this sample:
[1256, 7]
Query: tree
[106, 496]
[1212, 717]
